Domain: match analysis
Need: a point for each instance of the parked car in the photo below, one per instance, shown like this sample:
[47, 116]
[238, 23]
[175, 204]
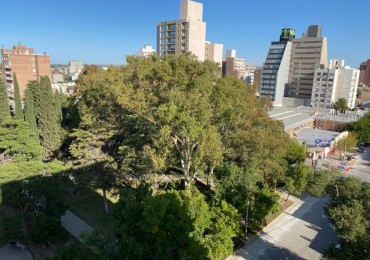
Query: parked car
[355, 156]
[361, 149]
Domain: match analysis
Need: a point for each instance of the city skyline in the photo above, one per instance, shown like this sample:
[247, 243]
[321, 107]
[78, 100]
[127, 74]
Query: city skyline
[98, 33]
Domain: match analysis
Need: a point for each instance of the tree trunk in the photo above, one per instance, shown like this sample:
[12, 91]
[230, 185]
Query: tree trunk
[105, 201]
[210, 177]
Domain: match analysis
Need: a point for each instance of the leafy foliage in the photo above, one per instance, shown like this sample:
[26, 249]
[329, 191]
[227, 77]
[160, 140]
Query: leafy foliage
[347, 143]
[341, 105]
[295, 152]
[18, 142]
[361, 128]
[348, 212]
[47, 229]
[320, 181]
[296, 179]
[175, 224]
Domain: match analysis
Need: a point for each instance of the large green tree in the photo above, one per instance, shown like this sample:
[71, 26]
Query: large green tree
[348, 212]
[18, 111]
[4, 101]
[187, 118]
[90, 157]
[48, 120]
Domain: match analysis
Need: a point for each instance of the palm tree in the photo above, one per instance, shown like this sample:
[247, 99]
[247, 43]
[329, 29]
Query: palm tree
[341, 105]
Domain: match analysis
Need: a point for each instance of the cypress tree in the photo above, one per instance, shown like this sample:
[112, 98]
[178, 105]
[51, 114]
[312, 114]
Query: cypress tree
[47, 119]
[58, 105]
[4, 101]
[29, 110]
[17, 99]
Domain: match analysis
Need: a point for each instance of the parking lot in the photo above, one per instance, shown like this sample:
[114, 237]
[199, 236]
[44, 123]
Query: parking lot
[359, 167]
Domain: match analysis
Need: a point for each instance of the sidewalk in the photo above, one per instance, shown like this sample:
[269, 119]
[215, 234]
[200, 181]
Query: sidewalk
[75, 225]
[8, 253]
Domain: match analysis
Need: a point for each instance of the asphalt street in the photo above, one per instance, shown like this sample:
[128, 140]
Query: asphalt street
[361, 168]
[302, 232]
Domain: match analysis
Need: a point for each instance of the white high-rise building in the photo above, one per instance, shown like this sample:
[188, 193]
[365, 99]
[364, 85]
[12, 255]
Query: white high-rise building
[338, 81]
[146, 51]
[188, 34]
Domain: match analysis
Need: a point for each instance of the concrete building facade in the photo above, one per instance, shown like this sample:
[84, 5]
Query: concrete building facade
[188, 34]
[366, 69]
[308, 53]
[25, 64]
[275, 72]
[213, 52]
[337, 81]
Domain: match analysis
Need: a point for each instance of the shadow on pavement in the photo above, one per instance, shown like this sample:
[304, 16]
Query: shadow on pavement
[266, 251]
[317, 220]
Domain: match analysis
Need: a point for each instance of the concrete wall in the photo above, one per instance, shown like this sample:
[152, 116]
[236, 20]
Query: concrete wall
[330, 125]
[213, 52]
[296, 102]
[197, 38]
[282, 76]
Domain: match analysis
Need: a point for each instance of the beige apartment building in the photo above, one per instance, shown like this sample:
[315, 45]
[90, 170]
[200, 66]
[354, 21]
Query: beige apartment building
[308, 53]
[25, 64]
[214, 52]
[188, 34]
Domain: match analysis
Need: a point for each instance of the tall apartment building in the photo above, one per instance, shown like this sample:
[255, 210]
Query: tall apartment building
[213, 52]
[25, 64]
[275, 72]
[188, 34]
[366, 72]
[337, 81]
[308, 53]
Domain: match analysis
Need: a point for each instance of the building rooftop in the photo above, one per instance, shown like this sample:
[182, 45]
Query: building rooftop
[315, 136]
[291, 116]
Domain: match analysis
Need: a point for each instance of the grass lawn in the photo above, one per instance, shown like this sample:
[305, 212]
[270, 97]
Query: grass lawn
[89, 206]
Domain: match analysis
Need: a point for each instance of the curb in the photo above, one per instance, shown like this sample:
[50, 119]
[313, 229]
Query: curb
[255, 236]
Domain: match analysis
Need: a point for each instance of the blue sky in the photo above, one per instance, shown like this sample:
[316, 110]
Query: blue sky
[105, 31]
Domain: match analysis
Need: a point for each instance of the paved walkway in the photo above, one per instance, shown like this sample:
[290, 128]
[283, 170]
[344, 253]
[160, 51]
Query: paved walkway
[7, 253]
[302, 232]
[75, 225]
